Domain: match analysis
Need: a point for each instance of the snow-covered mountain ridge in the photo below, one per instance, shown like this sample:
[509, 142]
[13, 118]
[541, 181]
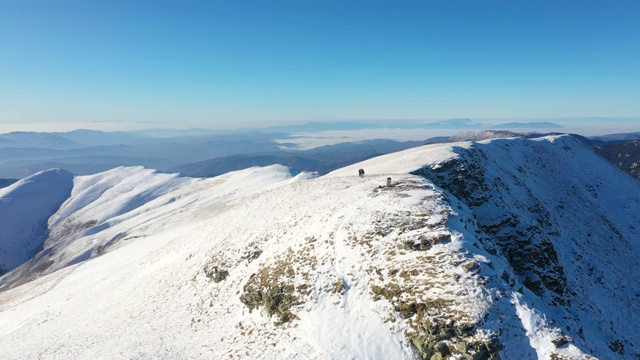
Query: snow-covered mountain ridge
[25, 208]
[508, 248]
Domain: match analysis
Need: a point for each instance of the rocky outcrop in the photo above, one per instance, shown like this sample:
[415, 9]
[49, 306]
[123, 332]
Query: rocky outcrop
[552, 218]
[624, 155]
[524, 234]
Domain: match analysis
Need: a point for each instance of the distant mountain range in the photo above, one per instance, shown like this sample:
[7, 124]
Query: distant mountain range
[618, 137]
[88, 152]
[453, 124]
[321, 160]
[202, 153]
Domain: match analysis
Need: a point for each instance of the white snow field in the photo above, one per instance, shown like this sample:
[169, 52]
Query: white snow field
[260, 264]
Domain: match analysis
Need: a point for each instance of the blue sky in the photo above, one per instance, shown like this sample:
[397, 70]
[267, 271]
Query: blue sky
[246, 63]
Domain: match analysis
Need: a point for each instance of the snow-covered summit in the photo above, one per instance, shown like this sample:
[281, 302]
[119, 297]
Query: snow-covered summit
[507, 248]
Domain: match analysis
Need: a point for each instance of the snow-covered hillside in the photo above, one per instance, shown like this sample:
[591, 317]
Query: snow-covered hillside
[509, 248]
[25, 208]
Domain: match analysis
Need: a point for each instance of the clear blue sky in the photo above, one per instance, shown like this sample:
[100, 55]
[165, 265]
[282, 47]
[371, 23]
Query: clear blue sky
[227, 63]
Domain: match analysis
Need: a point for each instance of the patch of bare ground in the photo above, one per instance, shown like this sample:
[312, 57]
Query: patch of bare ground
[283, 284]
[414, 275]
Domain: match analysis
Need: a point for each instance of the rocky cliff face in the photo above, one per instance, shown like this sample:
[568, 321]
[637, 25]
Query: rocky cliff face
[625, 155]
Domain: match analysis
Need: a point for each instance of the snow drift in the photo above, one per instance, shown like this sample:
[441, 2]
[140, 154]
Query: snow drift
[508, 248]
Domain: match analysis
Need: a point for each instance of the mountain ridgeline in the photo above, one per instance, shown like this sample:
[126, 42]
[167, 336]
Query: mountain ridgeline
[496, 249]
[566, 222]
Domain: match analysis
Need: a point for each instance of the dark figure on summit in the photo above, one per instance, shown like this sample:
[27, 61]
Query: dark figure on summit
[361, 172]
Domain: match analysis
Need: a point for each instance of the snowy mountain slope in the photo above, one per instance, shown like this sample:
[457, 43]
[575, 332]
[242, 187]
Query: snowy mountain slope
[76, 232]
[93, 204]
[25, 207]
[566, 222]
[274, 233]
[256, 263]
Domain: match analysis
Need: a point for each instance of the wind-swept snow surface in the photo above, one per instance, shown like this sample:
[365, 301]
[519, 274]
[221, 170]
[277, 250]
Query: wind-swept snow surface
[25, 208]
[80, 207]
[256, 263]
